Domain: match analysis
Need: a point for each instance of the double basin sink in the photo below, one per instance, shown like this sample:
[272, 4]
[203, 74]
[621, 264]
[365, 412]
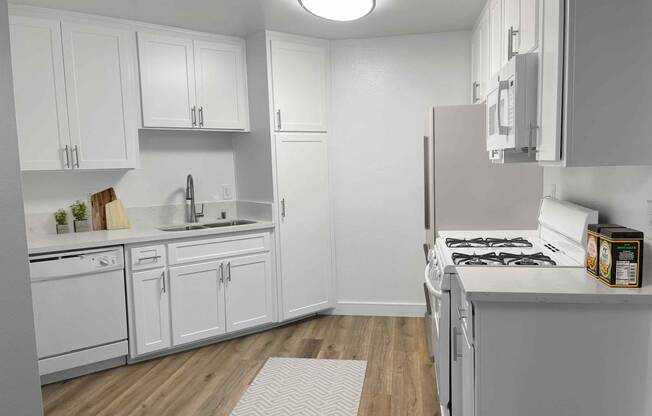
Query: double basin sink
[220, 224]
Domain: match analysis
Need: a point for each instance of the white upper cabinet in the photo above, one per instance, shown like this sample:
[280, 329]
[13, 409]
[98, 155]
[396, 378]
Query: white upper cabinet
[167, 79]
[99, 64]
[192, 83]
[528, 38]
[510, 29]
[480, 57]
[76, 94]
[40, 93]
[495, 10]
[221, 87]
[300, 84]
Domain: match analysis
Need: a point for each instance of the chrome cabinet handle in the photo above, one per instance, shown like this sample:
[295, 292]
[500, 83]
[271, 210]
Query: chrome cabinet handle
[283, 208]
[228, 271]
[461, 313]
[66, 152]
[278, 119]
[475, 91]
[201, 116]
[76, 158]
[164, 286]
[149, 258]
[510, 43]
[193, 116]
[456, 334]
[221, 273]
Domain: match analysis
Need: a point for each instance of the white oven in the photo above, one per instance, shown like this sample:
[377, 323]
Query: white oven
[511, 106]
[438, 331]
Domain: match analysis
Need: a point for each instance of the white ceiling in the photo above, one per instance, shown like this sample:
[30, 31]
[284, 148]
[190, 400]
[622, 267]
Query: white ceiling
[240, 17]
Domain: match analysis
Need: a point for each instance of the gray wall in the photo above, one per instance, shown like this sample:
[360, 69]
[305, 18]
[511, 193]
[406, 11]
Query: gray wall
[620, 194]
[20, 392]
[381, 89]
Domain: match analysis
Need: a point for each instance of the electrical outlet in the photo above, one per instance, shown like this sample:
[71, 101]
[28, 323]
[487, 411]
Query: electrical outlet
[227, 192]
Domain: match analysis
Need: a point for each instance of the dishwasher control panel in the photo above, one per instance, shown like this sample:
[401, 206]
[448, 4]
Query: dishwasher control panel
[102, 260]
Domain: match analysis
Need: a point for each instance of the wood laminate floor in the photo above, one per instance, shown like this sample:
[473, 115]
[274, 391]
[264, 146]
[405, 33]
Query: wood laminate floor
[210, 380]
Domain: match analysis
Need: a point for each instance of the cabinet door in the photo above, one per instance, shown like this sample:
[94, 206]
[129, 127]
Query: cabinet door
[528, 26]
[305, 233]
[167, 79]
[475, 64]
[101, 90]
[197, 300]
[511, 27]
[221, 91]
[483, 78]
[495, 37]
[249, 292]
[299, 82]
[468, 377]
[151, 311]
[39, 90]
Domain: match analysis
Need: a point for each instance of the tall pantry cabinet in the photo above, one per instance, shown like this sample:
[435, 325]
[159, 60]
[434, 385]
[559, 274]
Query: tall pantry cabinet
[289, 139]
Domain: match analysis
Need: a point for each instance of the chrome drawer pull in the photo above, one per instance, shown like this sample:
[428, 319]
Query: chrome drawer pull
[149, 258]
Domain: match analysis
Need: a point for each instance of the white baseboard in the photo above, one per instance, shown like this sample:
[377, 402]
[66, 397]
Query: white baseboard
[407, 309]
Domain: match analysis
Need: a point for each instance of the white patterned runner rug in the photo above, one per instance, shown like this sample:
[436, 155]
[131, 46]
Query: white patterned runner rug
[304, 387]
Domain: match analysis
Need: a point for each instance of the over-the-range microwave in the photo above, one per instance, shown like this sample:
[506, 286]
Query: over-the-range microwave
[512, 107]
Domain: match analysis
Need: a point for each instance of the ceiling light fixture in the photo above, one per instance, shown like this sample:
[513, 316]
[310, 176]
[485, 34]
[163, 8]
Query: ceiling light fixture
[339, 10]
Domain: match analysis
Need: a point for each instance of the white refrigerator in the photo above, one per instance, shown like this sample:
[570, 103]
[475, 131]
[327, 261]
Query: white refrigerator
[463, 189]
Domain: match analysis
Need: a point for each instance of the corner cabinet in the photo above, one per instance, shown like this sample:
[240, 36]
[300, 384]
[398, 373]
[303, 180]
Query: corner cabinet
[300, 84]
[75, 92]
[193, 83]
[197, 290]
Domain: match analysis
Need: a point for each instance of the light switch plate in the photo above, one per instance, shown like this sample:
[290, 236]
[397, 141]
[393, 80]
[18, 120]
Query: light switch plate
[227, 192]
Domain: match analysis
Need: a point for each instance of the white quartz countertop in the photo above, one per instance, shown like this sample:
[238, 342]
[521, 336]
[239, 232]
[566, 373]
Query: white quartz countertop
[551, 285]
[47, 243]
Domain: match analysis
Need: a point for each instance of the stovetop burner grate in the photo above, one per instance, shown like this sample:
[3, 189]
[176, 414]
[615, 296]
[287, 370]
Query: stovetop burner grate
[536, 259]
[487, 242]
[502, 259]
[486, 259]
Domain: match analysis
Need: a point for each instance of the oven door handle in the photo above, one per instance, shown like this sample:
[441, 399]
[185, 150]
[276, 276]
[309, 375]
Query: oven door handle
[430, 287]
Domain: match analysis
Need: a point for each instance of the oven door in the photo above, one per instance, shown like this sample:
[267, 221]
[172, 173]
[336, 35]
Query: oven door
[438, 333]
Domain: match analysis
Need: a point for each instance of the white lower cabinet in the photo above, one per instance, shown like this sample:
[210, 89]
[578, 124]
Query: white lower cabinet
[150, 311]
[197, 302]
[249, 292]
[468, 374]
[173, 304]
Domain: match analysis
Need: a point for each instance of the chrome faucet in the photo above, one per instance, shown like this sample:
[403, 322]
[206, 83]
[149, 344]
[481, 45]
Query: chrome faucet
[190, 196]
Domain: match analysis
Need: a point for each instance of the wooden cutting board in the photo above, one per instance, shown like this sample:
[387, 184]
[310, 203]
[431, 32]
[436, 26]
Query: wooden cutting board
[98, 211]
[116, 216]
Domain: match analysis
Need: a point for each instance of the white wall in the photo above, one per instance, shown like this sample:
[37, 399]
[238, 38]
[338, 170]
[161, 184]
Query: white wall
[20, 393]
[166, 158]
[381, 89]
[620, 194]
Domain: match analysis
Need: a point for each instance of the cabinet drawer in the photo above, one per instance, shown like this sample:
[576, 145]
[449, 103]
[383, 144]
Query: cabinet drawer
[147, 257]
[199, 250]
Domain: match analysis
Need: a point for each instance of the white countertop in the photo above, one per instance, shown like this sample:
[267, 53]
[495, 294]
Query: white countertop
[46, 243]
[551, 285]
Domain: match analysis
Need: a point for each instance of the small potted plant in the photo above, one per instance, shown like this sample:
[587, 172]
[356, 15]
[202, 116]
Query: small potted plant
[80, 214]
[61, 219]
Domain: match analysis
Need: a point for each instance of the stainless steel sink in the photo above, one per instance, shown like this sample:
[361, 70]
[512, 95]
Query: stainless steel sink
[183, 228]
[228, 223]
[205, 226]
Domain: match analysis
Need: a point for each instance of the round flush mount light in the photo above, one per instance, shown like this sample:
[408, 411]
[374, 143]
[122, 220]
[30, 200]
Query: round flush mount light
[339, 10]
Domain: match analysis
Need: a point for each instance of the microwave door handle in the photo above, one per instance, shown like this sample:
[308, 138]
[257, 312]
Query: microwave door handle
[502, 130]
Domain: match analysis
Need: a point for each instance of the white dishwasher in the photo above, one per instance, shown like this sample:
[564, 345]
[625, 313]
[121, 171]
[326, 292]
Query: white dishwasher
[79, 311]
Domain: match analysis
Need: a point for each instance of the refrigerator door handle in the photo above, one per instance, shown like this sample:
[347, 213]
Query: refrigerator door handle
[426, 182]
